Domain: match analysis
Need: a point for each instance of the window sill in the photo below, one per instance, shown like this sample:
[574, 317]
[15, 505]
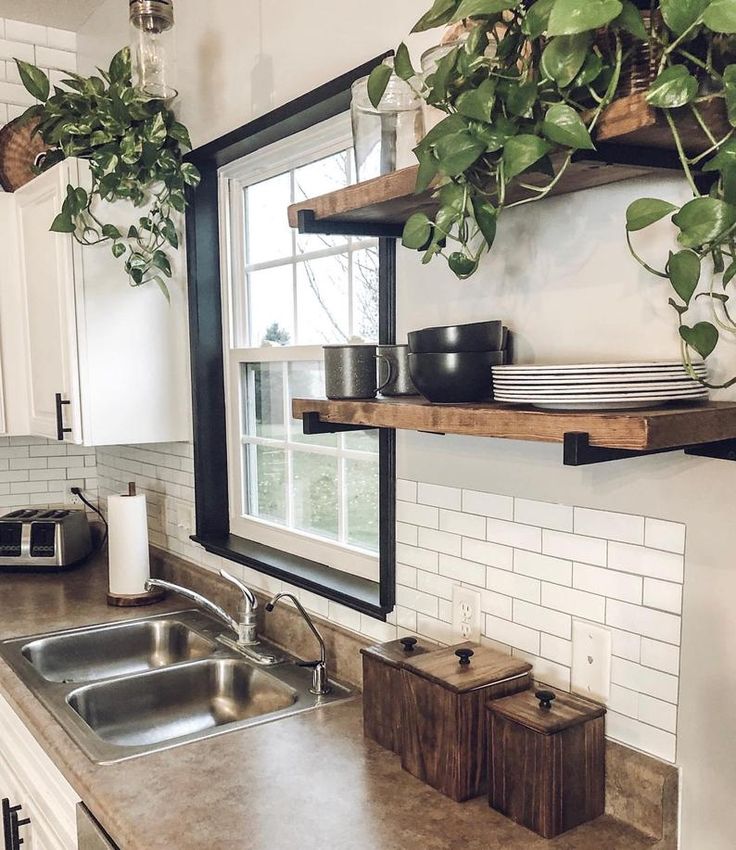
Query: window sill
[360, 594]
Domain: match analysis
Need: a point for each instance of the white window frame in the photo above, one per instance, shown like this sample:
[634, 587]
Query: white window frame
[322, 140]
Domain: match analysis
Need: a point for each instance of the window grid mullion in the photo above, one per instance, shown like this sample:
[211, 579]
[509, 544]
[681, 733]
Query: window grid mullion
[288, 452]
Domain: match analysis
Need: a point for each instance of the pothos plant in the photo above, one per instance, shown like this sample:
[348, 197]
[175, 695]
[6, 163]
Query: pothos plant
[134, 146]
[525, 90]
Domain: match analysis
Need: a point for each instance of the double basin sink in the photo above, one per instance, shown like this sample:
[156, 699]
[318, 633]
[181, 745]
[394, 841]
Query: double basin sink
[127, 689]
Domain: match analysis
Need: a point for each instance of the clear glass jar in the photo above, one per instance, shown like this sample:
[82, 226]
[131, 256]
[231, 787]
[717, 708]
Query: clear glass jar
[385, 138]
[152, 47]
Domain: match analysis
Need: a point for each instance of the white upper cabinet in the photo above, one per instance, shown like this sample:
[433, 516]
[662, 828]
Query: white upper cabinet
[105, 362]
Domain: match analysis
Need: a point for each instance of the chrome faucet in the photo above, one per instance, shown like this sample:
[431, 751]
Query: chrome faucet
[320, 680]
[244, 627]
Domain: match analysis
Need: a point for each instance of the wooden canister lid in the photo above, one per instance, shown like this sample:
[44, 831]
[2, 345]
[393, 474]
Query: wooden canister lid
[467, 666]
[397, 653]
[529, 709]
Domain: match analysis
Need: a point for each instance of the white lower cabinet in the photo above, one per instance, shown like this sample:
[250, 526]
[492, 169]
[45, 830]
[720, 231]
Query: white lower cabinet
[29, 779]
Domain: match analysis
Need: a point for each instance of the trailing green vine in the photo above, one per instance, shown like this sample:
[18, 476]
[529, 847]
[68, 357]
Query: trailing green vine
[134, 146]
[525, 90]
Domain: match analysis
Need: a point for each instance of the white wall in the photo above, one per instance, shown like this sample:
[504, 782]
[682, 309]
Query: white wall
[563, 279]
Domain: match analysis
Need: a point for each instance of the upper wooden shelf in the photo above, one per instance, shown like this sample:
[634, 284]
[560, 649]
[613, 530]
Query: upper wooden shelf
[658, 429]
[633, 140]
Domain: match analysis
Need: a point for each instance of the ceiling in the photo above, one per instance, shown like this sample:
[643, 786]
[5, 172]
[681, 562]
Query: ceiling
[64, 14]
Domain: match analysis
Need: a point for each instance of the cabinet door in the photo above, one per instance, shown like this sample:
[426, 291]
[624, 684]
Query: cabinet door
[47, 273]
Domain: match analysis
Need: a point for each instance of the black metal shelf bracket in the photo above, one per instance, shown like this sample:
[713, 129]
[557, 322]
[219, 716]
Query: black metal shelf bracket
[307, 223]
[577, 450]
[312, 425]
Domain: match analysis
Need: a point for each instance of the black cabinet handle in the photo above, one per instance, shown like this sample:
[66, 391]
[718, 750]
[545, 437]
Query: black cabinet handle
[546, 699]
[60, 429]
[408, 643]
[464, 655]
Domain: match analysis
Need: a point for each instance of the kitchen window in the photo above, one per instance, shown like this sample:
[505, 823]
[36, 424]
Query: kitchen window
[318, 510]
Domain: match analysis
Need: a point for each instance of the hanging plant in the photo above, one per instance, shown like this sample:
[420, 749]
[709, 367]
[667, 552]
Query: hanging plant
[134, 146]
[525, 90]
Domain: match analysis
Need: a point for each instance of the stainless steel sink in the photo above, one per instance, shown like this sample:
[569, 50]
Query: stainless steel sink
[127, 689]
[124, 648]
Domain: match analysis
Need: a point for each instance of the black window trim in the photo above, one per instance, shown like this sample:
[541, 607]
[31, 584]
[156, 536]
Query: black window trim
[375, 599]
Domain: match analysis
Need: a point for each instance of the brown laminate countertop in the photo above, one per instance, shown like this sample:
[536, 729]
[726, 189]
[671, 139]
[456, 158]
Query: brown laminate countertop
[308, 781]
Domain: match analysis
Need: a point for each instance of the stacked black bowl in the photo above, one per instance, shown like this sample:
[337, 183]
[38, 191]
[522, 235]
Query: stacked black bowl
[451, 365]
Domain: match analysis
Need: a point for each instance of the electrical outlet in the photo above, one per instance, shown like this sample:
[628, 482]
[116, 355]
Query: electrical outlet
[591, 661]
[466, 613]
[72, 500]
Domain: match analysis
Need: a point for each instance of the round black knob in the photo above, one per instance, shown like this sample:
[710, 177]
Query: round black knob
[545, 699]
[408, 643]
[464, 655]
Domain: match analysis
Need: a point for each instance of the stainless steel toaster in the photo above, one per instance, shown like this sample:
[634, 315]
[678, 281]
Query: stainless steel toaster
[43, 539]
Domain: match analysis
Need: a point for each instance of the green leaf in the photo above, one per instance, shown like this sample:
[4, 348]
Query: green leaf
[417, 231]
[729, 274]
[537, 18]
[120, 66]
[111, 232]
[570, 17]
[378, 82]
[190, 174]
[590, 71]
[486, 216]
[683, 270]
[34, 80]
[440, 13]
[521, 97]
[704, 220]
[457, 152]
[720, 16]
[161, 261]
[564, 57]
[563, 125]
[729, 85]
[156, 130]
[480, 8]
[703, 338]
[462, 265]
[631, 21]
[680, 15]
[428, 168]
[402, 63]
[521, 152]
[169, 232]
[63, 224]
[453, 196]
[478, 102]
[673, 88]
[180, 133]
[646, 211]
[118, 249]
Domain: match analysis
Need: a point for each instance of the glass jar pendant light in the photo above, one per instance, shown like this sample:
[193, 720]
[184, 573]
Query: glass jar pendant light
[152, 47]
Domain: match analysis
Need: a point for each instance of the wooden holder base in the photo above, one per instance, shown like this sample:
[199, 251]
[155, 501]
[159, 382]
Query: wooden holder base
[120, 601]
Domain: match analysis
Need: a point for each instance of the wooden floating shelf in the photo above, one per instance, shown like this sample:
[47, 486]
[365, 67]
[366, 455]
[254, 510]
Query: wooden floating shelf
[639, 431]
[633, 140]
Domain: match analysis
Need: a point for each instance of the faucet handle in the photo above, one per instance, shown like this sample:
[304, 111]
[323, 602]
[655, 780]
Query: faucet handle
[243, 588]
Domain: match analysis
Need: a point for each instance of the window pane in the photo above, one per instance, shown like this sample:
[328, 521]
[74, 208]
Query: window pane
[315, 494]
[361, 481]
[365, 294]
[319, 178]
[307, 380]
[271, 306]
[263, 400]
[361, 441]
[268, 236]
[265, 485]
[322, 301]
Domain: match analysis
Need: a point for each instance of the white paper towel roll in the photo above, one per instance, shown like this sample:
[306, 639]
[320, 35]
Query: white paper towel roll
[128, 544]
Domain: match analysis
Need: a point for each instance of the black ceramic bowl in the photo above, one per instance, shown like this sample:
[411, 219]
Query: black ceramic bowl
[454, 377]
[478, 336]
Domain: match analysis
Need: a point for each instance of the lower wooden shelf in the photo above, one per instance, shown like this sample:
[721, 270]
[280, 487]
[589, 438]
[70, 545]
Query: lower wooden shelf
[637, 431]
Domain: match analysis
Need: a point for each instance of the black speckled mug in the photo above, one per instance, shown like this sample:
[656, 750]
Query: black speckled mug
[350, 371]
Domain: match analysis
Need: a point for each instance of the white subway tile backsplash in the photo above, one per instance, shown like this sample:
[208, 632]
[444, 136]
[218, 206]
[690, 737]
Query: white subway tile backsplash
[653, 711]
[514, 534]
[644, 680]
[406, 619]
[15, 95]
[623, 701]
[440, 497]
[490, 554]
[10, 50]
[23, 31]
[574, 547]
[466, 525]
[435, 629]
[643, 621]
[543, 619]
[663, 595]
[425, 559]
[660, 656]
[435, 584]
[488, 504]
[516, 636]
[557, 650]
[510, 584]
[609, 583]
[625, 644]
[543, 567]
[440, 541]
[611, 526]
[546, 672]
[406, 491]
[544, 514]
[653, 563]
[575, 602]
[406, 575]
[661, 534]
[49, 57]
[406, 534]
[62, 39]
[415, 514]
[496, 604]
[465, 571]
[422, 603]
[641, 735]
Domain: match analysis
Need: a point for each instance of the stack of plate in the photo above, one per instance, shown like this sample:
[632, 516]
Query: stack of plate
[598, 386]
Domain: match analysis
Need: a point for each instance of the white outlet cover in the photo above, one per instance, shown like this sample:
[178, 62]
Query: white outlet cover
[591, 661]
[466, 613]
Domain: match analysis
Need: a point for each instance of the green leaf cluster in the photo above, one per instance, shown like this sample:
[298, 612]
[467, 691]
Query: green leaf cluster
[135, 148]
